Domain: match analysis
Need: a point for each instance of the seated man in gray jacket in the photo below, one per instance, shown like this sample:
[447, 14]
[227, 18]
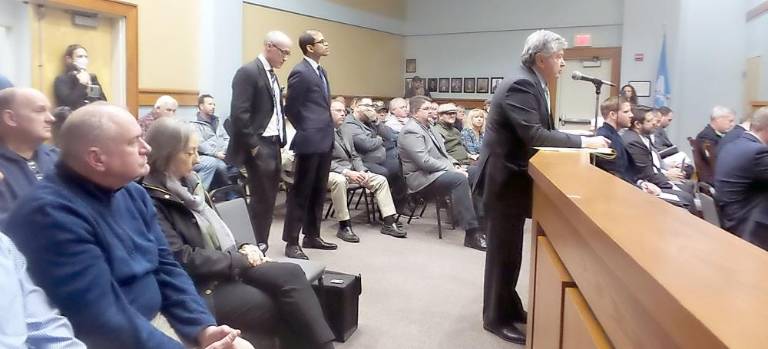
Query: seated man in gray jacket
[431, 172]
[213, 142]
[347, 168]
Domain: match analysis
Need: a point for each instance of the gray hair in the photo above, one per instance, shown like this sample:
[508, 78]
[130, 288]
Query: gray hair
[395, 101]
[720, 111]
[168, 137]
[277, 37]
[759, 120]
[165, 100]
[544, 42]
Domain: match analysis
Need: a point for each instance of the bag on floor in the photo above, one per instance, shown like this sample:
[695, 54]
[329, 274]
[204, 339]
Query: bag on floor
[339, 295]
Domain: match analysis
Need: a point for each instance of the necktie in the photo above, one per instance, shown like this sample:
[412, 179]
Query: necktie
[323, 77]
[278, 106]
[549, 111]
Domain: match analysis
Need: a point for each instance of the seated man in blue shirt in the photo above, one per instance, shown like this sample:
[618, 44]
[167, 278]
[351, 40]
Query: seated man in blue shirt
[28, 320]
[93, 243]
[25, 124]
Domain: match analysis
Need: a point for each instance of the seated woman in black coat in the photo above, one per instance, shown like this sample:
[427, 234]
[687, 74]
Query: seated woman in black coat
[241, 286]
[77, 87]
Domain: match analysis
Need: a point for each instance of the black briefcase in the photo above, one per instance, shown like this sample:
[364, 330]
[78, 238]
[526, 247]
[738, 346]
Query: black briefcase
[339, 295]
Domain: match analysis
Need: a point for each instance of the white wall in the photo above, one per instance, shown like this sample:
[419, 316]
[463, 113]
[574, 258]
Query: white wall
[453, 39]
[13, 16]
[221, 47]
[335, 12]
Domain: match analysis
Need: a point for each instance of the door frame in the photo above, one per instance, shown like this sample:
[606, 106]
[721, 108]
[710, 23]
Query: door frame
[586, 53]
[130, 13]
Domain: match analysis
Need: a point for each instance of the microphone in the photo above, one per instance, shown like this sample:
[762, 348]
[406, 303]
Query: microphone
[579, 76]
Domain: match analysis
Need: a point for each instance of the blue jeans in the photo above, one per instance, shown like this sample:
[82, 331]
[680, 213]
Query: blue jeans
[207, 167]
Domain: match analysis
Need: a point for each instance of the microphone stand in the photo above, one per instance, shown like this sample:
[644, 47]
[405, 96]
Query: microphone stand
[598, 86]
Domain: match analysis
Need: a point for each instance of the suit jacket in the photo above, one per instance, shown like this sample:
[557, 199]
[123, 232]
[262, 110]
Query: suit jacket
[741, 181]
[519, 120]
[622, 165]
[661, 139]
[642, 157]
[708, 134]
[251, 109]
[366, 140]
[71, 93]
[423, 155]
[309, 110]
[735, 133]
[344, 156]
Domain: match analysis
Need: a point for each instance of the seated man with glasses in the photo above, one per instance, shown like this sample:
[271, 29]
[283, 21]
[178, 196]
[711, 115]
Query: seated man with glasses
[452, 138]
[25, 124]
[430, 171]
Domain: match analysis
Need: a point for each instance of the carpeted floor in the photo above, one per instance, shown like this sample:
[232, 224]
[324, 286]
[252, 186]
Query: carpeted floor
[418, 292]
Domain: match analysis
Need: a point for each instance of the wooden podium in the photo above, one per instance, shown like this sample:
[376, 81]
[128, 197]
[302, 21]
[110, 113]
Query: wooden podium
[613, 267]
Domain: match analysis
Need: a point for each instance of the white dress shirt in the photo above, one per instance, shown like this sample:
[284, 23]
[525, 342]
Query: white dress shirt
[275, 126]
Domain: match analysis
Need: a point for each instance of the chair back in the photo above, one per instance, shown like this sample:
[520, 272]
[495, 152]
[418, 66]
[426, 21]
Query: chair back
[235, 214]
[702, 161]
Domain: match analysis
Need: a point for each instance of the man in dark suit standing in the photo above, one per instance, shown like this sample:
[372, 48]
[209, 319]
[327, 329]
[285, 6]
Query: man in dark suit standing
[520, 119]
[741, 180]
[258, 129]
[308, 106]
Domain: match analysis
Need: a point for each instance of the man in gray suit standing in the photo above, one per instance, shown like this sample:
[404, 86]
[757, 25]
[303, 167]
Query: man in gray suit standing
[431, 172]
[347, 169]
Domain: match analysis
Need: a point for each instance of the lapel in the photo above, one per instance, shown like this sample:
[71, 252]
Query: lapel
[264, 75]
[435, 140]
[545, 115]
[342, 143]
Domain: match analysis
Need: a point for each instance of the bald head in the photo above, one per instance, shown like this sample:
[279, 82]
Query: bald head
[103, 142]
[277, 48]
[165, 106]
[25, 116]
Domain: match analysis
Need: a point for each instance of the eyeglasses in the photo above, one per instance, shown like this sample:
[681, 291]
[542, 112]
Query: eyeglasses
[321, 42]
[284, 52]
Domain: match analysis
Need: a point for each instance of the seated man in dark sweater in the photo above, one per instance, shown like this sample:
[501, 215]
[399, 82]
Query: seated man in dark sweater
[24, 156]
[93, 243]
[720, 122]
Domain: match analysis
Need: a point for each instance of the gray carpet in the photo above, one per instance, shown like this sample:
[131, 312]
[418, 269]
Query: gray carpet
[418, 292]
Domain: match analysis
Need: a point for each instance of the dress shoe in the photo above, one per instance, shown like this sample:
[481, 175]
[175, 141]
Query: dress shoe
[393, 230]
[346, 234]
[294, 251]
[507, 333]
[318, 243]
[262, 247]
[476, 241]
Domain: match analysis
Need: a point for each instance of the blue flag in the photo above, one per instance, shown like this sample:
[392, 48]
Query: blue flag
[662, 91]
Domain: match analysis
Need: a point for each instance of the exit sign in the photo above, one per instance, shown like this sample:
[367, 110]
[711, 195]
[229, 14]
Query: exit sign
[582, 40]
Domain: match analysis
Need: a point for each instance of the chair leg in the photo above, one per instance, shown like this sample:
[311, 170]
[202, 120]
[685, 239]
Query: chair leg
[357, 204]
[328, 212]
[439, 224]
[410, 216]
[450, 213]
[351, 196]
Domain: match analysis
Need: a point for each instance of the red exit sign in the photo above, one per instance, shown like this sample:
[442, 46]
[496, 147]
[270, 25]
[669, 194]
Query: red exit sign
[581, 40]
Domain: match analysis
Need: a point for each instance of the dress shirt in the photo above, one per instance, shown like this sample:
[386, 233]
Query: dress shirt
[275, 126]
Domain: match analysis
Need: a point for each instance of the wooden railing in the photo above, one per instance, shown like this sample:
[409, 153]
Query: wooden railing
[615, 267]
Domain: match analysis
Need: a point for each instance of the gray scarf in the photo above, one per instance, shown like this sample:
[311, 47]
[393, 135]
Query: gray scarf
[215, 232]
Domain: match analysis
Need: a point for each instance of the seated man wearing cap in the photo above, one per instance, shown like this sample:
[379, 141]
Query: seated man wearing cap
[454, 143]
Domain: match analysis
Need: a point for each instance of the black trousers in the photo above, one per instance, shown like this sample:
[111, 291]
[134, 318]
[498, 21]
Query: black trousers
[273, 298]
[456, 185]
[304, 206]
[263, 182]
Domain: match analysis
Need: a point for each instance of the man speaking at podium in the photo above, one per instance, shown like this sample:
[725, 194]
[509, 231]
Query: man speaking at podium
[520, 119]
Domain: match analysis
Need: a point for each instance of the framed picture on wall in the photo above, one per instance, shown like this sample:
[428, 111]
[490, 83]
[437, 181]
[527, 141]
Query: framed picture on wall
[495, 83]
[432, 85]
[443, 85]
[643, 88]
[482, 85]
[410, 65]
[408, 84]
[469, 85]
[455, 85]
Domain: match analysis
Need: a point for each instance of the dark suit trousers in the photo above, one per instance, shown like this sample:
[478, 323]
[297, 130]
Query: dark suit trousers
[304, 206]
[456, 185]
[507, 205]
[274, 297]
[263, 183]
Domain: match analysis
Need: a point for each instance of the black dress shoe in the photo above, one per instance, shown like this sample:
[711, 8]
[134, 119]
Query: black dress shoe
[393, 230]
[318, 243]
[476, 241]
[294, 251]
[507, 333]
[346, 234]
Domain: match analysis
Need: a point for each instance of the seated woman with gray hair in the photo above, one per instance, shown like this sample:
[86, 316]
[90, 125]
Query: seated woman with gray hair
[241, 286]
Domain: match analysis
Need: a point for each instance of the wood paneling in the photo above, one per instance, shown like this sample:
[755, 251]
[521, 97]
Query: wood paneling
[580, 328]
[184, 97]
[551, 280]
[654, 275]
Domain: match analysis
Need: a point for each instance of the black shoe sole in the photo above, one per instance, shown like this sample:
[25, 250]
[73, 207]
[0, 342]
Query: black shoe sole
[497, 334]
